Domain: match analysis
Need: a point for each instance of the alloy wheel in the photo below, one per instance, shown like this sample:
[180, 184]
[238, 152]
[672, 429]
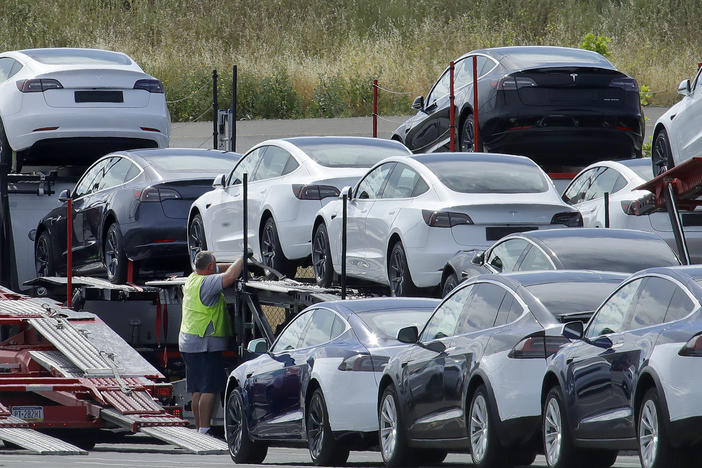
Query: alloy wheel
[552, 432]
[315, 426]
[397, 272]
[268, 246]
[478, 430]
[111, 252]
[467, 137]
[195, 240]
[388, 426]
[41, 258]
[648, 433]
[319, 254]
[235, 426]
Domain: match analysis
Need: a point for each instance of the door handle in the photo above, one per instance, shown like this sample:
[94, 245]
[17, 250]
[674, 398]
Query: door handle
[403, 365]
[569, 360]
[391, 212]
[248, 376]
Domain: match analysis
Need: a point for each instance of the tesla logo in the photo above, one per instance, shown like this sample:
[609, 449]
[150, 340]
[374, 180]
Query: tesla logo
[574, 76]
[513, 213]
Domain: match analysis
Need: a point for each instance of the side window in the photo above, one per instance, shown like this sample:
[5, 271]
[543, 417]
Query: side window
[652, 303]
[338, 327]
[15, 68]
[441, 88]
[247, 165]
[320, 328]
[290, 338]
[604, 181]
[115, 173]
[274, 163]
[6, 64]
[402, 182]
[504, 256]
[485, 65]
[91, 179]
[696, 82]
[371, 185]
[463, 73]
[509, 311]
[679, 306]
[612, 315]
[487, 298]
[535, 259]
[443, 322]
[575, 193]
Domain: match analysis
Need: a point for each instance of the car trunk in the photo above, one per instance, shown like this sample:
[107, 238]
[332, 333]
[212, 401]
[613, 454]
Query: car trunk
[96, 88]
[189, 190]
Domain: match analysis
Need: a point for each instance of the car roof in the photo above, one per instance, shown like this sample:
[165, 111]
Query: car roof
[303, 141]
[145, 153]
[682, 272]
[361, 306]
[531, 57]
[548, 236]
[533, 278]
[636, 162]
[472, 157]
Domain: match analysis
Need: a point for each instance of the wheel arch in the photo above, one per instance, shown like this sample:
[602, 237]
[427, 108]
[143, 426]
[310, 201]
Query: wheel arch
[109, 219]
[394, 239]
[385, 382]
[267, 213]
[317, 221]
[647, 380]
[550, 381]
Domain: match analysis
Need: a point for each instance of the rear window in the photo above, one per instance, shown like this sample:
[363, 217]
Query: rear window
[613, 254]
[355, 154]
[192, 163]
[77, 57]
[386, 323]
[580, 297]
[489, 176]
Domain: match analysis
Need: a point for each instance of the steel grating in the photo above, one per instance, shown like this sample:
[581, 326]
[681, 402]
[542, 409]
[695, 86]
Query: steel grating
[188, 439]
[134, 421]
[135, 402]
[9, 422]
[39, 443]
[56, 360]
[22, 308]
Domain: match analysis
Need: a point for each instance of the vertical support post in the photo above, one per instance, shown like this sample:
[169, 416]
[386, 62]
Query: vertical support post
[699, 65]
[344, 205]
[375, 108]
[245, 225]
[130, 271]
[215, 107]
[452, 110]
[675, 222]
[8, 275]
[606, 209]
[69, 253]
[232, 123]
[476, 126]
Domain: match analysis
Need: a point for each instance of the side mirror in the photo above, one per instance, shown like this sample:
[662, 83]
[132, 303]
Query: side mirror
[479, 258]
[219, 181]
[573, 330]
[418, 103]
[257, 346]
[348, 191]
[684, 87]
[64, 196]
[408, 335]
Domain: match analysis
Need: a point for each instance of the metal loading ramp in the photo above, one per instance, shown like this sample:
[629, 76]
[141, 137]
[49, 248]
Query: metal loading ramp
[18, 431]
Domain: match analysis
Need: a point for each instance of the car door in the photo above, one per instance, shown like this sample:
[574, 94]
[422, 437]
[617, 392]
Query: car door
[84, 229]
[687, 123]
[433, 121]
[403, 185]
[423, 375]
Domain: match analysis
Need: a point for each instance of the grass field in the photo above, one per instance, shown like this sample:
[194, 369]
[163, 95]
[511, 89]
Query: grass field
[302, 58]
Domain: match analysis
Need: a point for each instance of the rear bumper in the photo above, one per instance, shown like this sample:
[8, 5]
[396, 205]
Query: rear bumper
[156, 238]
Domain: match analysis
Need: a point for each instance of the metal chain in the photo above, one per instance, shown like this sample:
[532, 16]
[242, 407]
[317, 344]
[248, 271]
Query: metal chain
[209, 109]
[390, 120]
[189, 95]
[409, 93]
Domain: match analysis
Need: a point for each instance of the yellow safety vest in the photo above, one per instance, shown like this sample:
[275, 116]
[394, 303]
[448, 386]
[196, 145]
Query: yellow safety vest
[197, 316]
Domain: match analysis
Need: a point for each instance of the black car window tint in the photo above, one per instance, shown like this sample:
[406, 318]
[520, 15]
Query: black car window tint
[371, 185]
[575, 193]
[441, 88]
[652, 303]
[485, 65]
[535, 260]
[401, 183]
[320, 328]
[680, 305]
[16, 67]
[515, 310]
[443, 322]
[603, 182]
[115, 173]
[247, 165]
[272, 164]
[503, 257]
[420, 188]
[610, 318]
[463, 73]
[132, 173]
[291, 336]
[91, 179]
[338, 327]
[482, 313]
[503, 313]
[290, 165]
[6, 64]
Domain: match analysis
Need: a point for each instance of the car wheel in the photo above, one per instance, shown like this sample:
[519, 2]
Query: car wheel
[324, 450]
[196, 238]
[44, 256]
[241, 448]
[450, 282]
[272, 252]
[5, 150]
[114, 256]
[430, 457]
[559, 449]
[399, 273]
[321, 257]
[655, 450]
[485, 450]
[393, 440]
[466, 140]
[661, 154]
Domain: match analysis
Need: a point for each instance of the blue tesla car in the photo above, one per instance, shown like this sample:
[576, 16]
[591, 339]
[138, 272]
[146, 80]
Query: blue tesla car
[318, 383]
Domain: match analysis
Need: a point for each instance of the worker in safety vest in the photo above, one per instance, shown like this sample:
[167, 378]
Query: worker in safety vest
[204, 333]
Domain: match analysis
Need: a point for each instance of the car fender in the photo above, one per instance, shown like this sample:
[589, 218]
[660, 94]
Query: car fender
[331, 216]
[665, 121]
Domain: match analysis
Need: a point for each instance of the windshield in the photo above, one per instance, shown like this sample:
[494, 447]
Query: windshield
[192, 163]
[489, 176]
[386, 323]
[77, 57]
[356, 154]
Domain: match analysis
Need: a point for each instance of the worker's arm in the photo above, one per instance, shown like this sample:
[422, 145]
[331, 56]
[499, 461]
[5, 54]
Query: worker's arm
[232, 272]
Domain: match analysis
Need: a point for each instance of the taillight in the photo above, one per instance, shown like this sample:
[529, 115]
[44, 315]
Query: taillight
[38, 85]
[574, 219]
[176, 411]
[640, 206]
[510, 83]
[626, 83]
[152, 86]
[364, 363]
[693, 347]
[156, 194]
[537, 347]
[314, 192]
[445, 219]
[163, 390]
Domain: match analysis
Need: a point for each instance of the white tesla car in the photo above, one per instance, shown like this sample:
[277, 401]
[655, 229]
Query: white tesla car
[289, 181]
[620, 178]
[408, 216]
[676, 135]
[57, 103]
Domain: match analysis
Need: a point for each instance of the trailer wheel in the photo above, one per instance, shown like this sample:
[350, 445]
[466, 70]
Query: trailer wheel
[44, 256]
[114, 256]
[241, 448]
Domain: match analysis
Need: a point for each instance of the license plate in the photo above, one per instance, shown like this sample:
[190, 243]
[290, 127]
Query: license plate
[493, 233]
[99, 96]
[692, 219]
[29, 413]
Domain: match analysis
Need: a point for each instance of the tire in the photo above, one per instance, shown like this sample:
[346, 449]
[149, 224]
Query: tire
[450, 282]
[429, 457]
[196, 238]
[321, 257]
[655, 450]
[5, 149]
[559, 449]
[399, 276]
[44, 256]
[324, 450]
[392, 435]
[661, 154]
[485, 448]
[241, 448]
[465, 139]
[272, 252]
[522, 457]
[114, 256]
